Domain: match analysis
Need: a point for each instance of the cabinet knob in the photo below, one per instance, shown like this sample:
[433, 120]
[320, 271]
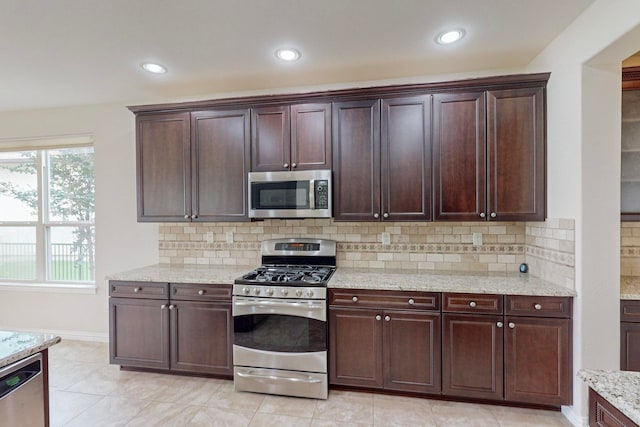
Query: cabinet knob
[163, 306]
[472, 304]
[499, 324]
[493, 215]
[294, 165]
[385, 215]
[137, 289]
[411, 301]
[201, 292]
[171, 306]
[194, 216]
[387, 318]
[512, 325]
[538, 306]
[378, 317]
[376, 215]
[482, 215]
[286, 165]
[354, 299]
[187, 216]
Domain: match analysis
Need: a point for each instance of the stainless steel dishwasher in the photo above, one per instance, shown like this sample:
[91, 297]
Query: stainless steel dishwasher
[22, 393]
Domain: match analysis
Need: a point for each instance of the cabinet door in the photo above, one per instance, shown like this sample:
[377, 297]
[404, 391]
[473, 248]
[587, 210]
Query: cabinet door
[459, 161]
[630, 346]
[201, 337]
[538, 360]
[472, 359]
[220, 161]
[311, 136]
[406, 159]
[516, 154]
[163, 167]
[139, 332]
[356, 160]
[270, 139]
[411, 351]
[355, 347]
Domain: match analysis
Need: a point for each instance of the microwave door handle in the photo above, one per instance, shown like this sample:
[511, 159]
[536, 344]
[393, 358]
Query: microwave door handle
[312, 194]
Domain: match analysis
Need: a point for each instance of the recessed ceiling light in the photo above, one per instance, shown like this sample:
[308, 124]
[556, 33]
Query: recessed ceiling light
[154, 68]
[450, 36]
[288, 54]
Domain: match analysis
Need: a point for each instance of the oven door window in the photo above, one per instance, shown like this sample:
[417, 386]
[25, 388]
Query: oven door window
[280, 195]
[280, 333]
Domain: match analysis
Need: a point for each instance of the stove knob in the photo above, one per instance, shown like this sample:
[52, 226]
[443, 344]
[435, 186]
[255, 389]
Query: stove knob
[246, 291]
[269, 291]
[284, 292]
[298, 292]
[310, 293]
[256, 291]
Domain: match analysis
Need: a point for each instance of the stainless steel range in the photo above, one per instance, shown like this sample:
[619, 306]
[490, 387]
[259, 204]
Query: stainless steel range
[280, 319]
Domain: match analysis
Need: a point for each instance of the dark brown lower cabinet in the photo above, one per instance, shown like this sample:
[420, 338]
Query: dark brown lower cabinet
[472, 356]
[630, 335]
[604, 414]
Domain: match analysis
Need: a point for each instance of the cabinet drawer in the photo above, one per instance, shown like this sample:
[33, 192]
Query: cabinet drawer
[538, 306]
[630, 310]
[200, 292]
[384, 299]
[150, 290]
[472, 303]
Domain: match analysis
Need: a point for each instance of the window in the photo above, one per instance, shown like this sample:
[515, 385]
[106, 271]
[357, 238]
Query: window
[47, 208]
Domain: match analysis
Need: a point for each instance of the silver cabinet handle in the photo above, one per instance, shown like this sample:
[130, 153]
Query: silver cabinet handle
[354, 299]
[387, 318]
[385, 215]
[376, 215]
[171, 306]
[493, 215]
[512, 325]
[411, 301]
[286, 165]
[482, 215]
[187, 216]
[538, 306]
[194, 216]
[137, 289]
[201, 292]
[163, 306]
[293, 165]
[499, 324]
[378, 317]
[472, 304]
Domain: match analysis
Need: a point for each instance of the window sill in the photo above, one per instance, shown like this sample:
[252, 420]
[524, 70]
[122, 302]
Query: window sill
[62, 288]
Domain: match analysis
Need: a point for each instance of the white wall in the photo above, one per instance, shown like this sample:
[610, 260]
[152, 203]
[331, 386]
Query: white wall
[121, 243]
[583, 177]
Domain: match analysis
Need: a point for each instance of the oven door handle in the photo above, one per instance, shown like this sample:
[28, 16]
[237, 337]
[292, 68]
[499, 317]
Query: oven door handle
[250, 374]
[277, 304]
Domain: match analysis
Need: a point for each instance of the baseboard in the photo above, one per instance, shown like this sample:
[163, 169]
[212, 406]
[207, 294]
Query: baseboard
[66, 335]
[573, 417]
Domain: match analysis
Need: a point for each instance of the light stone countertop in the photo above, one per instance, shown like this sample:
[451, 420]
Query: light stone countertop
[494, 283]
[630, 287]
[461, 282]
[15, 346]
[620, 388]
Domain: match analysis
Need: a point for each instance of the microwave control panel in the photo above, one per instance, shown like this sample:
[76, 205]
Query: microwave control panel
[322, 194]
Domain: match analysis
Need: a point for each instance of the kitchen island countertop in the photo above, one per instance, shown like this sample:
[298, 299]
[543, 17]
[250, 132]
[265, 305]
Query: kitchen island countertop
[619, 388]
[16, 346]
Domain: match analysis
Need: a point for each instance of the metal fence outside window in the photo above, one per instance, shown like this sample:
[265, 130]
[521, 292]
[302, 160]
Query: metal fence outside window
[66, 262]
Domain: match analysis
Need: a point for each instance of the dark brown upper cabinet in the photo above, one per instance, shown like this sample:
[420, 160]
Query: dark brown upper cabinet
[381, 159]
[295, 137]
[489, 155]
[193, 166]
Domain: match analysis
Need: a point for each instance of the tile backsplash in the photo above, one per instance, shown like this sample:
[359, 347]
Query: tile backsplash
[630, 249]
[412, 246]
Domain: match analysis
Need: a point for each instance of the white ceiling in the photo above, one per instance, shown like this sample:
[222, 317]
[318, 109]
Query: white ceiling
[71, 52]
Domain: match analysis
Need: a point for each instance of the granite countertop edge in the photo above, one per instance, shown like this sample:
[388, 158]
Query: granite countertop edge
[25, 344]
[620, 388]
[373, 279]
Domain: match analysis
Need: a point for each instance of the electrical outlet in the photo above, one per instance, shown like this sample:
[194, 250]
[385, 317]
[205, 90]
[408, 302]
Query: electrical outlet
[209, 237]
[386, 238]
[477, 239]
[229, 237]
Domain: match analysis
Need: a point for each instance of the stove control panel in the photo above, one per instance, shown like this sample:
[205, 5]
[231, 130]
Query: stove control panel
[266, 291]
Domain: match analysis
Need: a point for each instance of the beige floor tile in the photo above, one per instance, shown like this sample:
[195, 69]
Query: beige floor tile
[64, 405]
[226, 398]
[271, 420]
[103, 381]
[216, 417]
[109, 412]
[81, 351]
[293, 406]
[346, 407]
[331, 423]
[196, 391]
[402, 411]
[453, 414]
[521, 417]
[67, 373]
[160, 414]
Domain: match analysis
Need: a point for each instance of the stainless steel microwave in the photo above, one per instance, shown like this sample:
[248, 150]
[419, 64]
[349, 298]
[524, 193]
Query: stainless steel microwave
[290, 194]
